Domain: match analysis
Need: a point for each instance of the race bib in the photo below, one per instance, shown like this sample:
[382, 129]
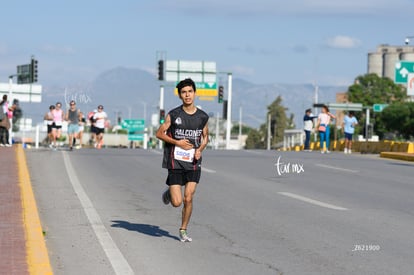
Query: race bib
[184, 155]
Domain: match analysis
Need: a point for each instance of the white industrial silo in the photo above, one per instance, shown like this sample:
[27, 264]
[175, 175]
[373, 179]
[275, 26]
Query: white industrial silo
[390, 59]
[375, 62]
[407, 56]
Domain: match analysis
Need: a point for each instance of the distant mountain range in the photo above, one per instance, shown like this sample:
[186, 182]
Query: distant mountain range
[134, 93]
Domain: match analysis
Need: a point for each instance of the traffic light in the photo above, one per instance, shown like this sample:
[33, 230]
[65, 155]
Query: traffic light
[220, 94]
[160, 69]
[33, 71]
[162, 116]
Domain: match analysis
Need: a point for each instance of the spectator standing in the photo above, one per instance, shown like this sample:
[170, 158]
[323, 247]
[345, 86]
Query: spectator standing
[349, 124]
[307, 127]
[323, 125]
[4, 123]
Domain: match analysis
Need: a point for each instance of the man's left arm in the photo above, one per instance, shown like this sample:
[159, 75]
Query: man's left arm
[203, 144]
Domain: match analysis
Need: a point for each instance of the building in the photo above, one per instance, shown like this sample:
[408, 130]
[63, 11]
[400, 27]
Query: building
[382, 62]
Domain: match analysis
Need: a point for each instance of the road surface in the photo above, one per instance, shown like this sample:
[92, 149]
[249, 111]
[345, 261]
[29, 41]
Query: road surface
[255, 212]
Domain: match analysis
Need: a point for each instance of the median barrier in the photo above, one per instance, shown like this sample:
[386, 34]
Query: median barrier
[371, 147]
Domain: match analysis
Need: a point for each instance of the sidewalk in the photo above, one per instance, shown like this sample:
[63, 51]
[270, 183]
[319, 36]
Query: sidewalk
[22, 245]
[12, 234]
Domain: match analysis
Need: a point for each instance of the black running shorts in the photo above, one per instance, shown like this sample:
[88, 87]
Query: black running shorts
[181, 177]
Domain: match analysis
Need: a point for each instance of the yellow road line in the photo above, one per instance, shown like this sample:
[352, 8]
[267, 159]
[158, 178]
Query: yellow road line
[37, 256]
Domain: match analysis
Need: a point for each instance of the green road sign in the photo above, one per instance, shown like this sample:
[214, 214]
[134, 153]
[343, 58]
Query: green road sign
[205, 85]
[23, 74]
[379, 107]
[133, 125]
[402, 69]
[137, 137]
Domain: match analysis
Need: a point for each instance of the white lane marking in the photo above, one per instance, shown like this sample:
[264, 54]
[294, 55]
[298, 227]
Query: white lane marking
[115, 257]
[208, 170]
[337, 168]
[312, 201]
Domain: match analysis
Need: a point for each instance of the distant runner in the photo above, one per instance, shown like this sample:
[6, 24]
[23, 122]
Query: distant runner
[100, 119]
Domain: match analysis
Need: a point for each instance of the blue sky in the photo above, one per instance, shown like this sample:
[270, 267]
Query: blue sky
[262, 41]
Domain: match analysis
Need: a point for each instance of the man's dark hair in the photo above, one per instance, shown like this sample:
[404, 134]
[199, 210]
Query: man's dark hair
[351, 113]
[184, 83]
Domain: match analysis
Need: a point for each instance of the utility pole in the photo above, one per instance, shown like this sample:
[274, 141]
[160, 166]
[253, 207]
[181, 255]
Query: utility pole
[240, 122]
[269, 132]
[161, 108]
[229, 99]
[10, 98]
[216, 145]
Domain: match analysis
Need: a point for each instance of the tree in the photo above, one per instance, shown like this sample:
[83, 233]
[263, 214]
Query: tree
[255, 140]
[278, 123]
[399, 118]
[245, 129]
[278, 120]
[371, 89]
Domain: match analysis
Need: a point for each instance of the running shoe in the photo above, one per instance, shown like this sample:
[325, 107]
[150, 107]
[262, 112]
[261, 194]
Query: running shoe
[166, 199]
[184, 237]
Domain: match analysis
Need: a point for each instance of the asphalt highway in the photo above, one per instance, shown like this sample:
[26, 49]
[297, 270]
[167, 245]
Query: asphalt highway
[255, 212]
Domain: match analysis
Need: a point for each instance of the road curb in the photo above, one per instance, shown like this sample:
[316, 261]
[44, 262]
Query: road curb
[36, 251]
[399, 156]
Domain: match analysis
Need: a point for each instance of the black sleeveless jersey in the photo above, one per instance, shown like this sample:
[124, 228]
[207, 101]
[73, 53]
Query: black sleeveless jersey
[184, 126]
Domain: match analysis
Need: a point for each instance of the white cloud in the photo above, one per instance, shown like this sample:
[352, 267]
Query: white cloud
[343, 42]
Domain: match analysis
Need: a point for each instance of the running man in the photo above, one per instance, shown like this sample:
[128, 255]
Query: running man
[49, 121]
[73, 118]
[185, 133]
[82, 122]
[100, 119]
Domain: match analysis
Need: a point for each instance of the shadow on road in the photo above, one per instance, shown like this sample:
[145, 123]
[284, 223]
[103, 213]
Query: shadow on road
[147, 229]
